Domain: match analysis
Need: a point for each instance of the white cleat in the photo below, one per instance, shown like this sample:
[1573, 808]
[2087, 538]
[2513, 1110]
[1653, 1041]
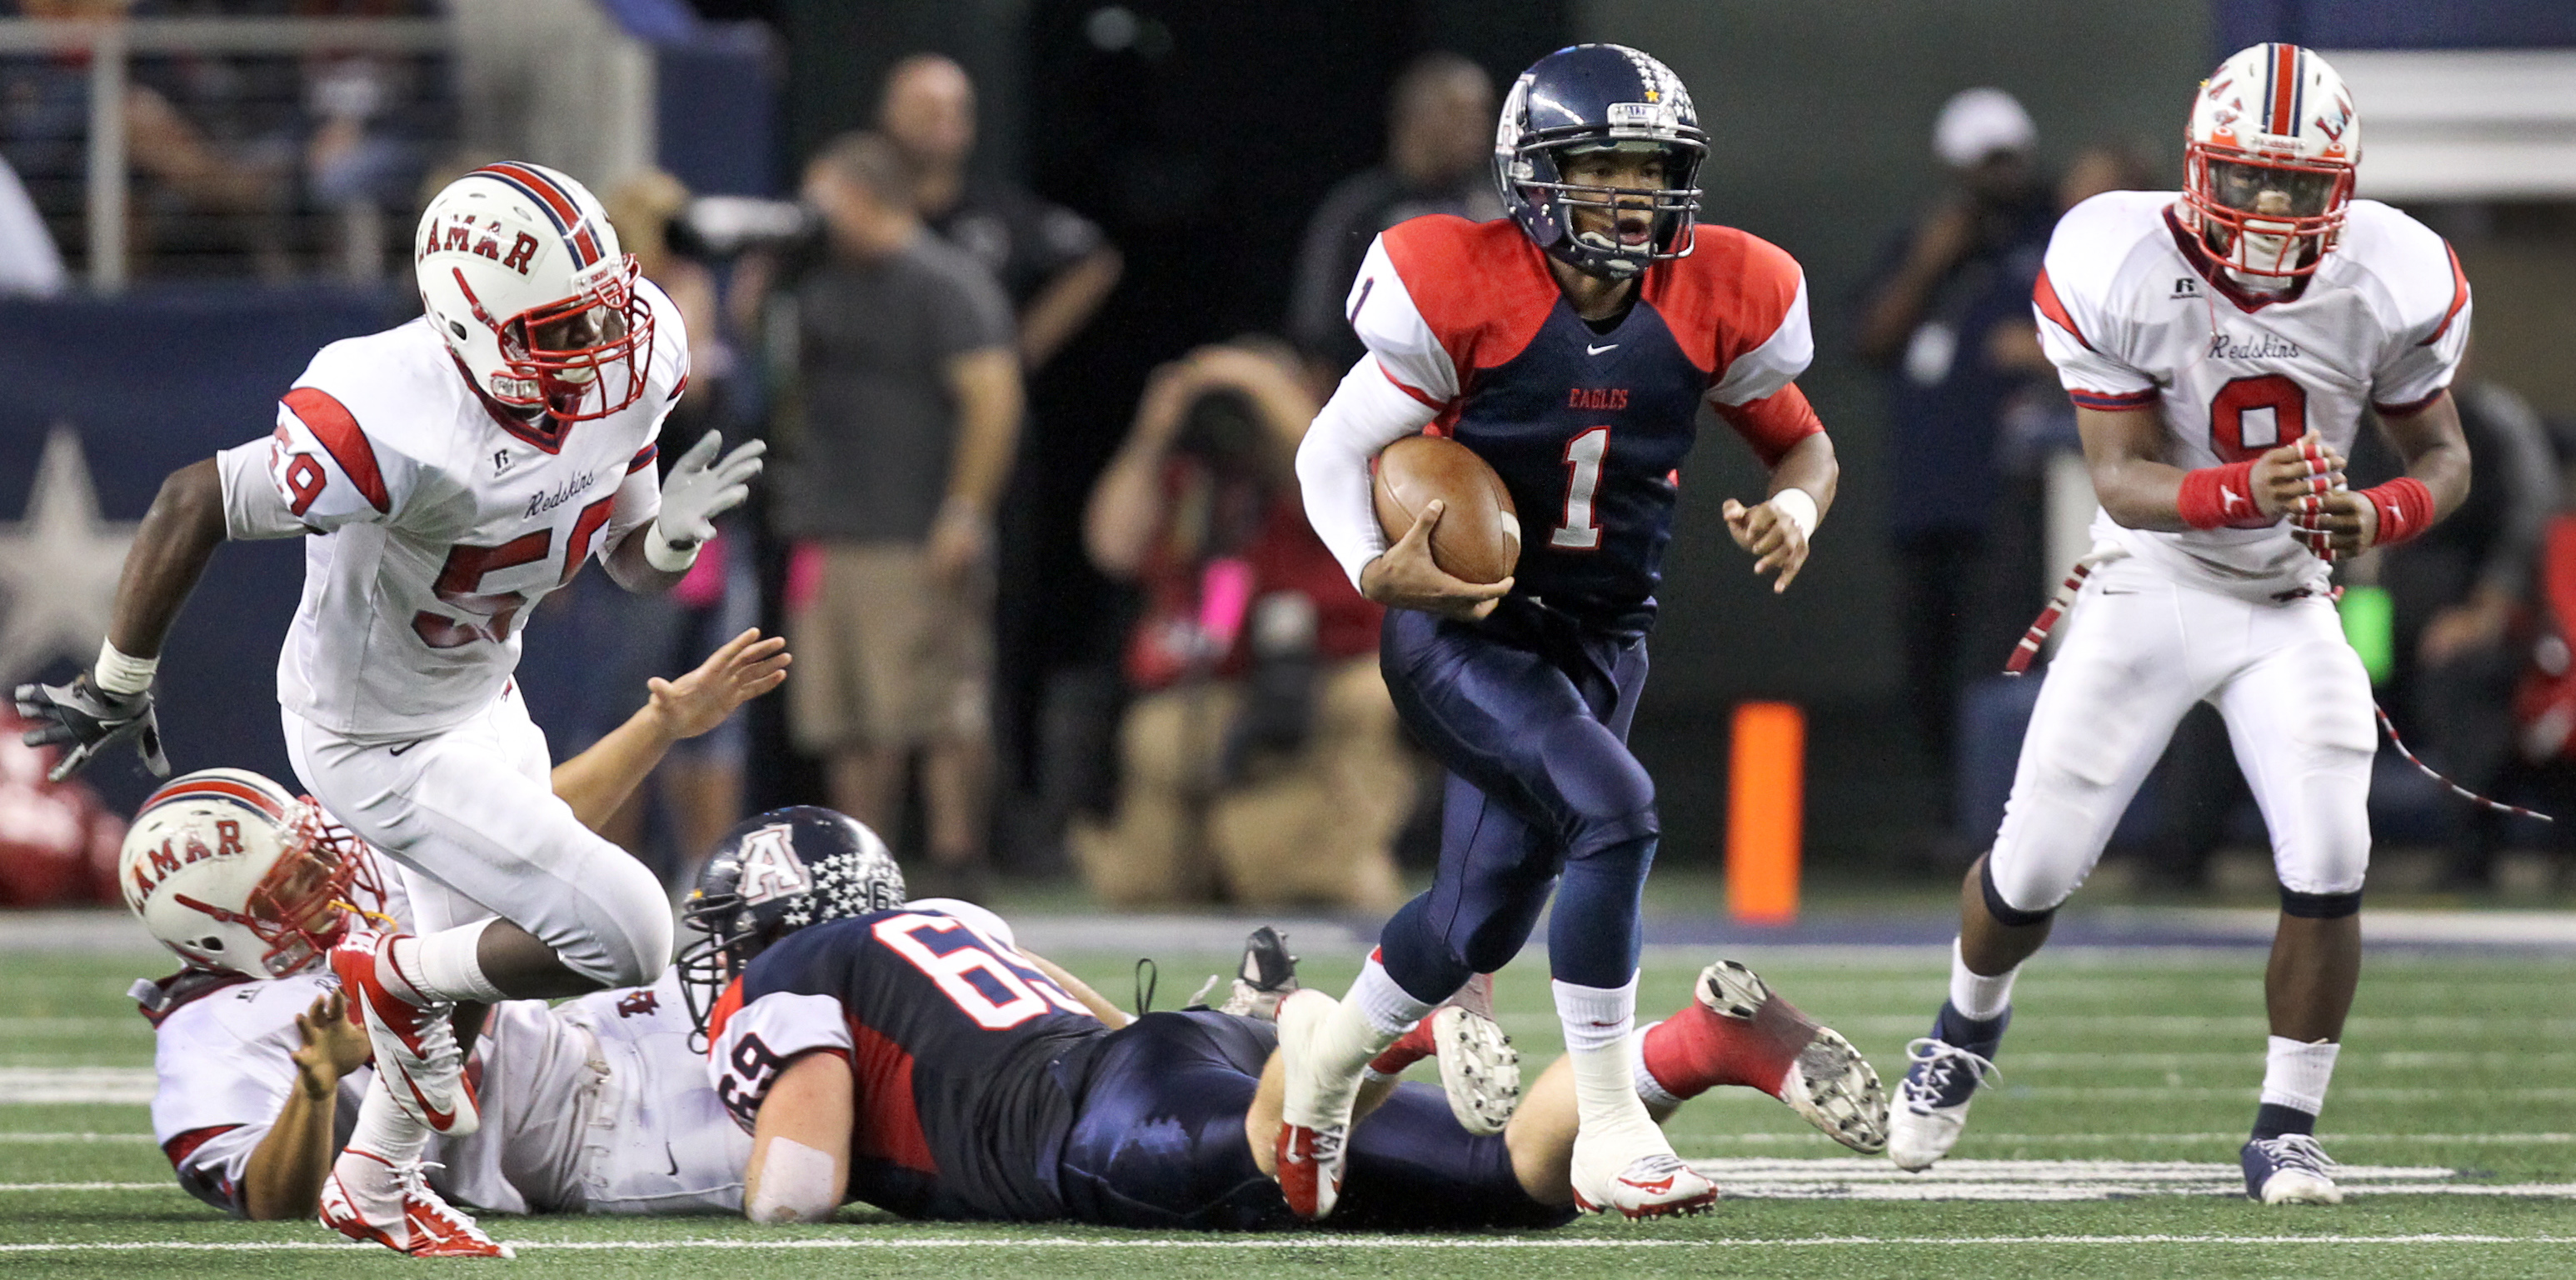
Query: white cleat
[1315, 1116]
[371, 1199]
[2290, 1169]
[1636, 1176]
[416, 1053]
[1480, 1071]
[1941, 1079]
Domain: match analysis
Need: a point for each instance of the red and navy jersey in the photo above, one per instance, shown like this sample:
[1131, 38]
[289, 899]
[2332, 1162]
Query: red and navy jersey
[952, 1037]
[1588, 427]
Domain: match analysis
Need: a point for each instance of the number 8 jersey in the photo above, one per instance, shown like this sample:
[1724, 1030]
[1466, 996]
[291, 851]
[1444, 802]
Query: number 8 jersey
[2135, 314]
[438, 520]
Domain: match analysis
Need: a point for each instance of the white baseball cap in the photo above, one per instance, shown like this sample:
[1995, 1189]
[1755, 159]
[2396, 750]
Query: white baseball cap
[1976, 123]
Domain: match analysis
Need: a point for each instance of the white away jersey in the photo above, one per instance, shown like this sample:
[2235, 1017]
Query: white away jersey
[436, 523]
[224, 1065]
[2134, 314]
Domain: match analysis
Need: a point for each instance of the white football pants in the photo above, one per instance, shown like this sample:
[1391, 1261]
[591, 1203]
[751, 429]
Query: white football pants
[2139, 649]
[471, 815]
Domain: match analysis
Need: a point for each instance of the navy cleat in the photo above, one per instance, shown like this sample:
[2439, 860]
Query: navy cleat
[2289, 1169]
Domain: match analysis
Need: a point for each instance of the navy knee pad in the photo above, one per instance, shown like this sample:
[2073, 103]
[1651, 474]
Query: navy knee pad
[2320, 906]
[2004, 912]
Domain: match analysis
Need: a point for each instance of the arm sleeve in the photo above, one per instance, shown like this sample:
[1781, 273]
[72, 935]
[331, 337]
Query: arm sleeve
[1369, 412]
[1382, 311]
[639, 499]
[222, 1081]
[1774, 424]
[326, 468]
[1763, 371]
[760, 1038]
[254, 507]
[2423, 356]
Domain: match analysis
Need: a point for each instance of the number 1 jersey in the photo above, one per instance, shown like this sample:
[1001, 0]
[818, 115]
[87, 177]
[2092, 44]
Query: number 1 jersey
[2136, 315]
[434, 521]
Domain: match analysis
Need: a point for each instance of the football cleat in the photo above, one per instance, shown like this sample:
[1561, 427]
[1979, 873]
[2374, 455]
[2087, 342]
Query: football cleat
[2290, 1169]
[1315, 1118]
[1480, 1071]
[1932, 1101]
[371, 1199]
[1817, 1072]
[415, 1043]
[1636, 1177]
[1268, 975]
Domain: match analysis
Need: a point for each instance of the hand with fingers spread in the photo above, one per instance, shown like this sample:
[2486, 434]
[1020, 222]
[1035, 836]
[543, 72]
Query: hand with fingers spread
[744, 668]
[1406, 577]
[90, 720]
[1777, 540]
[699, 489]
[331, 1044]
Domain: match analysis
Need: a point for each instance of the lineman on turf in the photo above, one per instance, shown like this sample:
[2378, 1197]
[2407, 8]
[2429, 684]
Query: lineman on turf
[447, 474]
[597, 1105]
[911, 1056]
[2222, 346]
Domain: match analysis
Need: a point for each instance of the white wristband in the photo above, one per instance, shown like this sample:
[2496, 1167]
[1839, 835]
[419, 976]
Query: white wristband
[659, 553]
[120, 673]
[1798, 507]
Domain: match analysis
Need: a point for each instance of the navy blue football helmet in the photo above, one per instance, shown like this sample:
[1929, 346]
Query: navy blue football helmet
[1587, 97]
[771, 876]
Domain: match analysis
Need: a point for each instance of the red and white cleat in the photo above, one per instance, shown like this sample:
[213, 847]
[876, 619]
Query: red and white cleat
[371, 1199]
[1315, 1120]
[1635, 1180]
[415, 1042]
[1785, 1053]
[1480, 1071]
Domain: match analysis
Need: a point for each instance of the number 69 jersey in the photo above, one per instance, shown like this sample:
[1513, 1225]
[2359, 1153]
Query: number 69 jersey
[2135, 314]
[437, 521]
[954, 1041]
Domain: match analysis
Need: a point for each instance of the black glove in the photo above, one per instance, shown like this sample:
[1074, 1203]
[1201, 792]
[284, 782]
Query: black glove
[91, 720]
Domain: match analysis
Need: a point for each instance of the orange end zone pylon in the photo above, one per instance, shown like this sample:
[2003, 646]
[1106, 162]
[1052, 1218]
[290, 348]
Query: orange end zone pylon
[1765, 808]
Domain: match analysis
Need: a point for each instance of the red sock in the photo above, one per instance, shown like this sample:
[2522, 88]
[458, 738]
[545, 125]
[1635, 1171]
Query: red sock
[1416, 1045]
[1696, 1050]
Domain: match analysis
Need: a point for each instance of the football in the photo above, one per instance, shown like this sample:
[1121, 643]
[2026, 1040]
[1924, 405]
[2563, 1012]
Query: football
[1479, 538]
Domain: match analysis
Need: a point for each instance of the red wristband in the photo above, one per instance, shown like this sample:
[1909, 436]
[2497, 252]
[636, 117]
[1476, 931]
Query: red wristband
[2405, 509]
[2214, 496]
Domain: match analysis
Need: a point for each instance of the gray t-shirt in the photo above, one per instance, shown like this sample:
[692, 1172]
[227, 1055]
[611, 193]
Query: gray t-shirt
[873, 344]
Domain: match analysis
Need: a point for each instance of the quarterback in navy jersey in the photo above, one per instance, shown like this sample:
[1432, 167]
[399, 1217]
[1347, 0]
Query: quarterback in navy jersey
[1571, 346]
[909, 1055]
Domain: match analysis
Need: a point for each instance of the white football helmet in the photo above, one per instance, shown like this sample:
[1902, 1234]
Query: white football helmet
[236, 875]
[522, 274]
[2268, 160]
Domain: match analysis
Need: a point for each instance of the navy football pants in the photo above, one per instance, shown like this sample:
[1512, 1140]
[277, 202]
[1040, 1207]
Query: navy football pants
[1157, 1142]
[1530, 715]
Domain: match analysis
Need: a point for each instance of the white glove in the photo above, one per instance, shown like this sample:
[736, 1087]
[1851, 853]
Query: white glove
[699, 489]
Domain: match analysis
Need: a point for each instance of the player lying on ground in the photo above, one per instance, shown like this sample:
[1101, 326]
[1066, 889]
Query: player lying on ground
[912, 1057]
[2222, 346]
[446, 475]
[1572, 347]
[262, 1066]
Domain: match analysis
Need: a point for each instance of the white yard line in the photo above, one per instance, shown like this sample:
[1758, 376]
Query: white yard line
[1342, 1243]
[55, 1085]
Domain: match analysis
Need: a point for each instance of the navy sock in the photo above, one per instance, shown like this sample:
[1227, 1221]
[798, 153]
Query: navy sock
[2271, 1120]
[1980, 1036]
[1592, 938]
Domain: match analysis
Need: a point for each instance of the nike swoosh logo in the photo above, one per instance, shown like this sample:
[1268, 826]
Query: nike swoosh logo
[1594, 351]
[439, 1120]
[674, 1158]
[407, 746]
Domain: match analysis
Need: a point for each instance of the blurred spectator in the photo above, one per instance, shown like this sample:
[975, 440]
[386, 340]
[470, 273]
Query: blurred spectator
[1940, 290]
[2454, 596]
[908, 404]
[1439, 157]
[1051, 261]
[29, 263]
[1261, 762]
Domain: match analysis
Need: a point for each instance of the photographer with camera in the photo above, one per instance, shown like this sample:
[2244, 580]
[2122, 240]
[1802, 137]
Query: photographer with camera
[1260, 761]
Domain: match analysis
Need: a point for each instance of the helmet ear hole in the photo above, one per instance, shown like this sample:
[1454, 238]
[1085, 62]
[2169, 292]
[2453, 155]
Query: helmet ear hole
[458, 330]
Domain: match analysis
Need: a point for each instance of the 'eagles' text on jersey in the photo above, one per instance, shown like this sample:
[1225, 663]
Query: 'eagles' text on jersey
[2136, 315]
[436, 521]
[953, 1041]
[1586, 427]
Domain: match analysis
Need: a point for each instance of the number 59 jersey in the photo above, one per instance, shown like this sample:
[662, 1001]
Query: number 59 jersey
[436, 521]
[2135, 314]
[954, 1042]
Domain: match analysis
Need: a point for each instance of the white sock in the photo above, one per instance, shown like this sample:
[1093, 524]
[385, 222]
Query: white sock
[1599, 1023]
[1385, 1006]
[1650, 1090]
[1975, 995]
[444, 965]
[2295, 1074]
[384, 1130]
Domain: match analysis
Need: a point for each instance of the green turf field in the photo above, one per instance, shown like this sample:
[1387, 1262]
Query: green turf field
[2109, 1149]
